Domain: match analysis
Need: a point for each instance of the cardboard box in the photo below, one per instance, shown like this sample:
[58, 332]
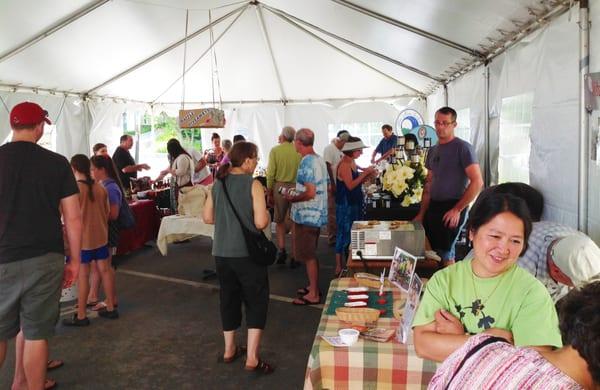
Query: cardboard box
[203, 117]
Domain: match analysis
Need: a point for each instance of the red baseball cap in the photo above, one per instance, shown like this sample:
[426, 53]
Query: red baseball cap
[28, 113]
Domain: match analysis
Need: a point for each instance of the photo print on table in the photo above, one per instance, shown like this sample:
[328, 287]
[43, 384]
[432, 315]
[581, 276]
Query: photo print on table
[402, 269]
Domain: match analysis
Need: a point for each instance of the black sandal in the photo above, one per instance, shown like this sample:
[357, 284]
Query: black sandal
[304, 291]
[262, 368]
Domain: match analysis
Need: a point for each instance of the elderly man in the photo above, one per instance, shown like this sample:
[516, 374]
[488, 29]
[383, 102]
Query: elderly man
[386, 145]
[125, 163]
[309, 212]
[281, 174]
[36, 185]
[332, 154]
[560, 257]
[453, 181]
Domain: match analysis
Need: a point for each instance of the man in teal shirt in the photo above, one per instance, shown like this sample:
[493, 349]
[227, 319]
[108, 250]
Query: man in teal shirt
[281, 173]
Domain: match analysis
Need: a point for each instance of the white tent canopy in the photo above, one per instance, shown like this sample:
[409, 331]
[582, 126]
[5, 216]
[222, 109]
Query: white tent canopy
[88, 62]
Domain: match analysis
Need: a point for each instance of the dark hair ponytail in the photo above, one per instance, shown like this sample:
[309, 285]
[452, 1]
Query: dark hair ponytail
[81, 164]
[237, 155]
[106, 163]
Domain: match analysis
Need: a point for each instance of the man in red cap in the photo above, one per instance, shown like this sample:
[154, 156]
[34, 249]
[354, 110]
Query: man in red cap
[36, 187]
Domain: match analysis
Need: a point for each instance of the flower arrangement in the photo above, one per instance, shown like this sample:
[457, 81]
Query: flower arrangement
[405, 180]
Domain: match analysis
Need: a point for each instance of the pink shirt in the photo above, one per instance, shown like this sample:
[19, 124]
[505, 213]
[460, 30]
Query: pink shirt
[500, 366]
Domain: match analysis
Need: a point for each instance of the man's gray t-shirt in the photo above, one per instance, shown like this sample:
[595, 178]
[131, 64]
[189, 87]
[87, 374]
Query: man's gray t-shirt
[448, 163]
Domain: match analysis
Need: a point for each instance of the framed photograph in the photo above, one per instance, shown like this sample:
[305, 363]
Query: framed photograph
[402, 269]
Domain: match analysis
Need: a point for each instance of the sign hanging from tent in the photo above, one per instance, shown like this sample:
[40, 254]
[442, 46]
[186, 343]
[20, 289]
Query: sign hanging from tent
[204, 117]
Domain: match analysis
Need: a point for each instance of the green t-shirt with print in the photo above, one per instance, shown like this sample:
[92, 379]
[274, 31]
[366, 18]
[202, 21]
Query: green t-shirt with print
[515, 301]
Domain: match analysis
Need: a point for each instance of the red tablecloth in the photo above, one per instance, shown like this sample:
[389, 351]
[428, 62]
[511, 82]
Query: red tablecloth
[147, 222]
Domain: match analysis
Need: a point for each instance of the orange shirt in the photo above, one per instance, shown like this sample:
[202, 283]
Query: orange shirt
[94, 215]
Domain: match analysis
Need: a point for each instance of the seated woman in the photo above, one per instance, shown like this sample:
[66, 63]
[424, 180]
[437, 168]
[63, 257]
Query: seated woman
[575, 366]
[348, 196]
[489, 293]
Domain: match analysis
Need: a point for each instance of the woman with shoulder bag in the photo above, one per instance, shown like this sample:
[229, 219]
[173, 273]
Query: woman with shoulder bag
[242, 279]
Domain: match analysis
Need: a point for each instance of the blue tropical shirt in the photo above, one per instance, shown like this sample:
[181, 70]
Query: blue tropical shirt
[312, 212]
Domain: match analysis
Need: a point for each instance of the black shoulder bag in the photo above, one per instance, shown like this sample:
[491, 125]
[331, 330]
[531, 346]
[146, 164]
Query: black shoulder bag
[261, 250]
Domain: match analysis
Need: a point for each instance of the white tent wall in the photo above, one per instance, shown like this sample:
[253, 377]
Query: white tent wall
[594, 177]
[67, 113]
[545, 64]
[469, 92]
[107, 121]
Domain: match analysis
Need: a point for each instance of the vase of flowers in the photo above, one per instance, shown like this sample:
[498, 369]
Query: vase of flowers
[405, 180]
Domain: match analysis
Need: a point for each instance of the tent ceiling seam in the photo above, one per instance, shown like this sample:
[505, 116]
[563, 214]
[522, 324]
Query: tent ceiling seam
[52, 29]
[166, 50]
[420, 93]
[356, 45]
[265, 34]
[407, 27]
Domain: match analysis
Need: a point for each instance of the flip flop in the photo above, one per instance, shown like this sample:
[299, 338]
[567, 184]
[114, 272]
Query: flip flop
[53, 364]
[301, 301]
[239, 351]
[262, 368]
[100, 306]
[304, 291]
[49, 384]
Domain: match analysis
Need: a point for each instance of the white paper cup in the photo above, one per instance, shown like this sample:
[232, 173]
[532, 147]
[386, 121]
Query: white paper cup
[349, 336]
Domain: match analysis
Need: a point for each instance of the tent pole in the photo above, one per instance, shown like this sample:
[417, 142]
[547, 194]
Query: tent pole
[584, 64]
[486, 124]
[420, 93]
[445, 94]
[356, 45]
[52, 29]
[410, 28]
[265, 34]
[167, 49]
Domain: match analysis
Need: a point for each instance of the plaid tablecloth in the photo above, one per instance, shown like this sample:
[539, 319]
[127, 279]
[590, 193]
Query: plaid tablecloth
[366, 364]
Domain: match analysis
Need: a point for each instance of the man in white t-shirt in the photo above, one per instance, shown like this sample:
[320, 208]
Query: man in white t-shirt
[332, 156]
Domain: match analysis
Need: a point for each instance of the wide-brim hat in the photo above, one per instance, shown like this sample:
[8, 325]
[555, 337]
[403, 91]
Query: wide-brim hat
[355, 145]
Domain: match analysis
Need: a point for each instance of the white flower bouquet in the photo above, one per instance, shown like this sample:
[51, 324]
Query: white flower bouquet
[405, 180]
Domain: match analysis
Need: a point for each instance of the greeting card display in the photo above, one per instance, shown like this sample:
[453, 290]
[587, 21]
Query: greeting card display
[402, 269]
[414, 292]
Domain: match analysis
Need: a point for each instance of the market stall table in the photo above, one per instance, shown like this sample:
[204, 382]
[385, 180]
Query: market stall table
[176, 228]
[367, 364]
[147, 221]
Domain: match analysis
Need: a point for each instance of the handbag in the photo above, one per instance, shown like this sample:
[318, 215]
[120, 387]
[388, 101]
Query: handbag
[261, 250]
[126, 219]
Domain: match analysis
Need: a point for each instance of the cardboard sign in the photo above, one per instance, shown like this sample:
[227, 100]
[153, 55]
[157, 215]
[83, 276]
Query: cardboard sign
[204, 117]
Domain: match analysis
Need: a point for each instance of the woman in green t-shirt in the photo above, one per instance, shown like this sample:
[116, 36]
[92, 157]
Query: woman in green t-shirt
[489, 293]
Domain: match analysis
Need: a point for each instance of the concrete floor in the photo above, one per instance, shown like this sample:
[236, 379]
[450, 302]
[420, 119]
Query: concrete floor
[169, 334]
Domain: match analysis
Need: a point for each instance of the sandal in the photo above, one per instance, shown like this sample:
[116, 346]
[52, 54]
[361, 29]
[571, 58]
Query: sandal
[100, 306]
[301, 301]
[49, 384]
[262, 368]
[304, 291]
[239, 351]
[53, 364]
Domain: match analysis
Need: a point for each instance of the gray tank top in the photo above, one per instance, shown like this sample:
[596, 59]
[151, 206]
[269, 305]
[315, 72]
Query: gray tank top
[229, 239]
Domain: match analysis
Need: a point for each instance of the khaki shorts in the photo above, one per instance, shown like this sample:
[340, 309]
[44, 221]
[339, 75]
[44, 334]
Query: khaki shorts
[305, 240]
[281, 206]
[29, 296]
